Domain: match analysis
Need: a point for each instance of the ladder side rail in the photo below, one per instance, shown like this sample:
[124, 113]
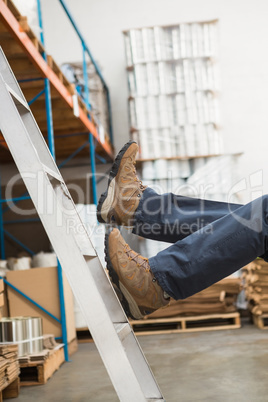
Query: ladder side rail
[133, 350]
[9, 77]
[117, 363]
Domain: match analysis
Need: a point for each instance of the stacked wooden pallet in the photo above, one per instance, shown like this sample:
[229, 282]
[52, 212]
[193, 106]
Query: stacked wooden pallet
[255, 277]
[217, 299]
[9, 365]
[213, 308]
[37, 369]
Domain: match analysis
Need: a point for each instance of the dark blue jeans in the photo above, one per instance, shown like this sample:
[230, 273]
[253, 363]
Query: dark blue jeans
[211, 239]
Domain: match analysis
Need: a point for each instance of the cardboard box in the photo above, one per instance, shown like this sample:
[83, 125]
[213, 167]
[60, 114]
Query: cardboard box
[1, 285]
[41, 284]
[3, 300]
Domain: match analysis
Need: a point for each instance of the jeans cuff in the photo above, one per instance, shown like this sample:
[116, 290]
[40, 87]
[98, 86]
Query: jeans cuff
[160, 277]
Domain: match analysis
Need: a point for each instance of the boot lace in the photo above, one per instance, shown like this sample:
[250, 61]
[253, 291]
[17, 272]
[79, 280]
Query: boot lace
[137, 257]
[142, 187]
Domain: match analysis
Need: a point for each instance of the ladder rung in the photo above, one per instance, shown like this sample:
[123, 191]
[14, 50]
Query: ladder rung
[123, 329]
[17, 99]
[52, 173]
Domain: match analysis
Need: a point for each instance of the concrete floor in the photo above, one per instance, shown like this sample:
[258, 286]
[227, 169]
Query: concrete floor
[220, 366]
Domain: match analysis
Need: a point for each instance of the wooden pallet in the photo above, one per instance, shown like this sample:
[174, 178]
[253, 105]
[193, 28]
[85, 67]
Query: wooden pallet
[83, 335]
[11, 390]
[261, 321]
[38, 372]
[209, 322]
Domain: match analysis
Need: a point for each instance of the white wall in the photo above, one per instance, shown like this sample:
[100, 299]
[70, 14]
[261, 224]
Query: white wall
[243, 60]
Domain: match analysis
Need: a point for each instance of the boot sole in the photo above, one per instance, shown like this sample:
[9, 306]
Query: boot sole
[108, 195]
[126, 299]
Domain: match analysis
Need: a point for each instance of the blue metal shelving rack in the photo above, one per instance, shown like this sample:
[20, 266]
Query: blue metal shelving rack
[92, 154]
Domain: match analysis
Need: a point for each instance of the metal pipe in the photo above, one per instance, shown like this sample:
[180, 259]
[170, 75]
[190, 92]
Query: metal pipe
[51, 145]
[30, 299]
[82, 40]
[62, 313]
[100, 158]
[91, 142]
[110, 116]
[31, 79]
[18, 242]
[2, 237]
[22, 221]
[36, 97]
[50, 131]
[93, 169]
[69, 135]
[72, 155]
[40, 21]
[86, 49]
[15, 199]
[85, 76]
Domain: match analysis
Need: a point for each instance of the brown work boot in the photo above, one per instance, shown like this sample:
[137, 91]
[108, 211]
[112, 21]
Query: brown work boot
[121, 199]
[132, 278]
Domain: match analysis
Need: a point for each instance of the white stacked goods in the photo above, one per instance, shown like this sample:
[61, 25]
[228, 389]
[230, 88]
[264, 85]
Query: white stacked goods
[43, 260]
[19, 264]
[3, 268]
[165, 175]
[173, 81]
[213, 179]
[210, 178]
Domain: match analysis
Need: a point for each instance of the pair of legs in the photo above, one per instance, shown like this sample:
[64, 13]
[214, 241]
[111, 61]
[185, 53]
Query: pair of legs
[210, 239]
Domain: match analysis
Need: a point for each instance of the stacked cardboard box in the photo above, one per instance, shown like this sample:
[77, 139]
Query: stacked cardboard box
[255, 277]
[9, 364]
[219, 298]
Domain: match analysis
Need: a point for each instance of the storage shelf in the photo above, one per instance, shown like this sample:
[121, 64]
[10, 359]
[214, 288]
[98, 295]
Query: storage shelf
[212, 91]
[131, 67]
[188, 157]
[24, 53]
[136, 130]
[71, 126]
[125, 32]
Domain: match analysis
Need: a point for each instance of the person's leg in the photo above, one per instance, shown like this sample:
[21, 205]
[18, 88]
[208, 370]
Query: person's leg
[214, 252]
[132, 279]
[191, 264]
[169, 217]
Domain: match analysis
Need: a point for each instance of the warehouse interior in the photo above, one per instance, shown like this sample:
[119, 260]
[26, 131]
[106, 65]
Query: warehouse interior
[187, 81]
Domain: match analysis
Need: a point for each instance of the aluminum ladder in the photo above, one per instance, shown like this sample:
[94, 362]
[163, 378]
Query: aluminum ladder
[119, 349]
